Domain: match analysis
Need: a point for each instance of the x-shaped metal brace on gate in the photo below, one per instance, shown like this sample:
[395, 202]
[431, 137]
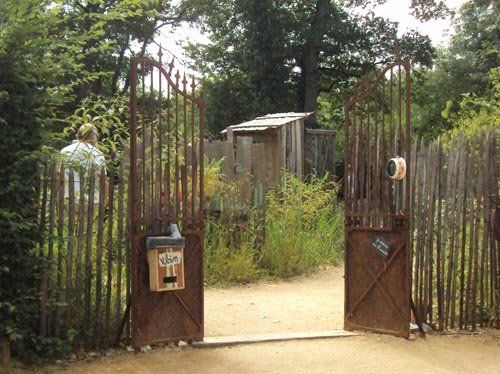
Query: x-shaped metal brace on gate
[376, 278]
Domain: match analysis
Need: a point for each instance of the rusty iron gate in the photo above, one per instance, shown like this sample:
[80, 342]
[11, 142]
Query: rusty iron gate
[377, 252]
[166, 187]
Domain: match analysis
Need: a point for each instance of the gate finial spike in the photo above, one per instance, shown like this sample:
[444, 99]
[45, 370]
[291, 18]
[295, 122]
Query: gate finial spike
[177, 77]
[193, 83]
[171, 66]
[160, 53]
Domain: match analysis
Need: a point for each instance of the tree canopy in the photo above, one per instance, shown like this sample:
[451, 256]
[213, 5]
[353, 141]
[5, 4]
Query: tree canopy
[269, 56]
[463, 68]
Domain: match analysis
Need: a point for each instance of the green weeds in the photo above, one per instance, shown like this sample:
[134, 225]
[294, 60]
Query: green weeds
[300, 230]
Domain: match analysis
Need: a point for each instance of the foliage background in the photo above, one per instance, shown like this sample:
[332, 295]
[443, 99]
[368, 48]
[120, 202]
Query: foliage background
[64, 62]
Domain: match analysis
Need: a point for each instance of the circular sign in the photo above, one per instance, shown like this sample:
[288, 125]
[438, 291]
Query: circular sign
[396, 168]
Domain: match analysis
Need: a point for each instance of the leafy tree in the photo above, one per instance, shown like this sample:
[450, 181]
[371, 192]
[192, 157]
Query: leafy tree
[247, 47]
[116, 29]
[280, 55]
[53, 54]
[33, 63]
[476, 112]
[462, 69]
[431, 89]
[475, 47]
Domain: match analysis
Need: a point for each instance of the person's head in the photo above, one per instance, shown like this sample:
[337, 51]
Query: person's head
[87, 133]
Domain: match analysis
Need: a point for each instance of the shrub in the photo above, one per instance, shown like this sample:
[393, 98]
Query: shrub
[475, 113]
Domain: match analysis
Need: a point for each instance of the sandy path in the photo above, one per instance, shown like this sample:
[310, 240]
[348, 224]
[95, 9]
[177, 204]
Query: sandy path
[304, 304]
[314, 303]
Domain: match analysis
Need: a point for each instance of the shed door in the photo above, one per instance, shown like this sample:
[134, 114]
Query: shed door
[377, 273]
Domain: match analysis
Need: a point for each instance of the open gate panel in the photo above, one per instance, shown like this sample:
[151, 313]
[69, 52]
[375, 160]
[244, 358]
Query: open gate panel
[166, 187]
[377, 255]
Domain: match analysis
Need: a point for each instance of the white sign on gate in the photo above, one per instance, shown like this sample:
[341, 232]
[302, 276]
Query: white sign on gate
[169, 258]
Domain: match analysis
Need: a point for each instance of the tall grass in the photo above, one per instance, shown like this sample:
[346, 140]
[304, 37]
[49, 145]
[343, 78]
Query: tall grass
[229, 254]
[301, 230]
[303, 227]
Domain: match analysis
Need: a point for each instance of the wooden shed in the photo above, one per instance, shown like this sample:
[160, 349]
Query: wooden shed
[257, 151]
[282, 138]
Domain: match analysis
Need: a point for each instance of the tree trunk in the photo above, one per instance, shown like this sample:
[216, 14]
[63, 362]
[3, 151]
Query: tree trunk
[310, 57]
[119, 67]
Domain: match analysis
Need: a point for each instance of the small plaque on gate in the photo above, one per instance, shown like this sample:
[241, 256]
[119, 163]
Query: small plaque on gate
[382, 246]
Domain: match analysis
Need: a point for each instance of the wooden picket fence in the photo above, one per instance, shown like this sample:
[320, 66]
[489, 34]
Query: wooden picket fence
[456, 262]
[257, 166]
[86, 247]
[320, 152]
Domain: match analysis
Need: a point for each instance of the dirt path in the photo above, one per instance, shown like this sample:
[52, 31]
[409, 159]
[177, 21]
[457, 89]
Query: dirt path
[303, 304]
[308, 304]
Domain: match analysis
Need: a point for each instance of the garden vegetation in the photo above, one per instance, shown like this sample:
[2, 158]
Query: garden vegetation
[63, 62]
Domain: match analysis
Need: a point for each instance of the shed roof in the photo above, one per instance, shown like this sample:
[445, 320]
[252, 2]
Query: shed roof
[269, 121]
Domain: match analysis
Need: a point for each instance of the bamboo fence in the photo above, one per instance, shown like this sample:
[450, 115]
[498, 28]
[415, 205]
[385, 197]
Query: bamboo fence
[456, 268]
[85, 246]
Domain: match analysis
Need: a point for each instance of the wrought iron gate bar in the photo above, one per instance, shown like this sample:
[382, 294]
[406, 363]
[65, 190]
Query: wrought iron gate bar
[375, 131]
[166, 186]
[177, 202]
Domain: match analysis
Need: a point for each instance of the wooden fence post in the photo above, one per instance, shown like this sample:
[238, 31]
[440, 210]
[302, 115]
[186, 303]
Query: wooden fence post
[5, 353]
